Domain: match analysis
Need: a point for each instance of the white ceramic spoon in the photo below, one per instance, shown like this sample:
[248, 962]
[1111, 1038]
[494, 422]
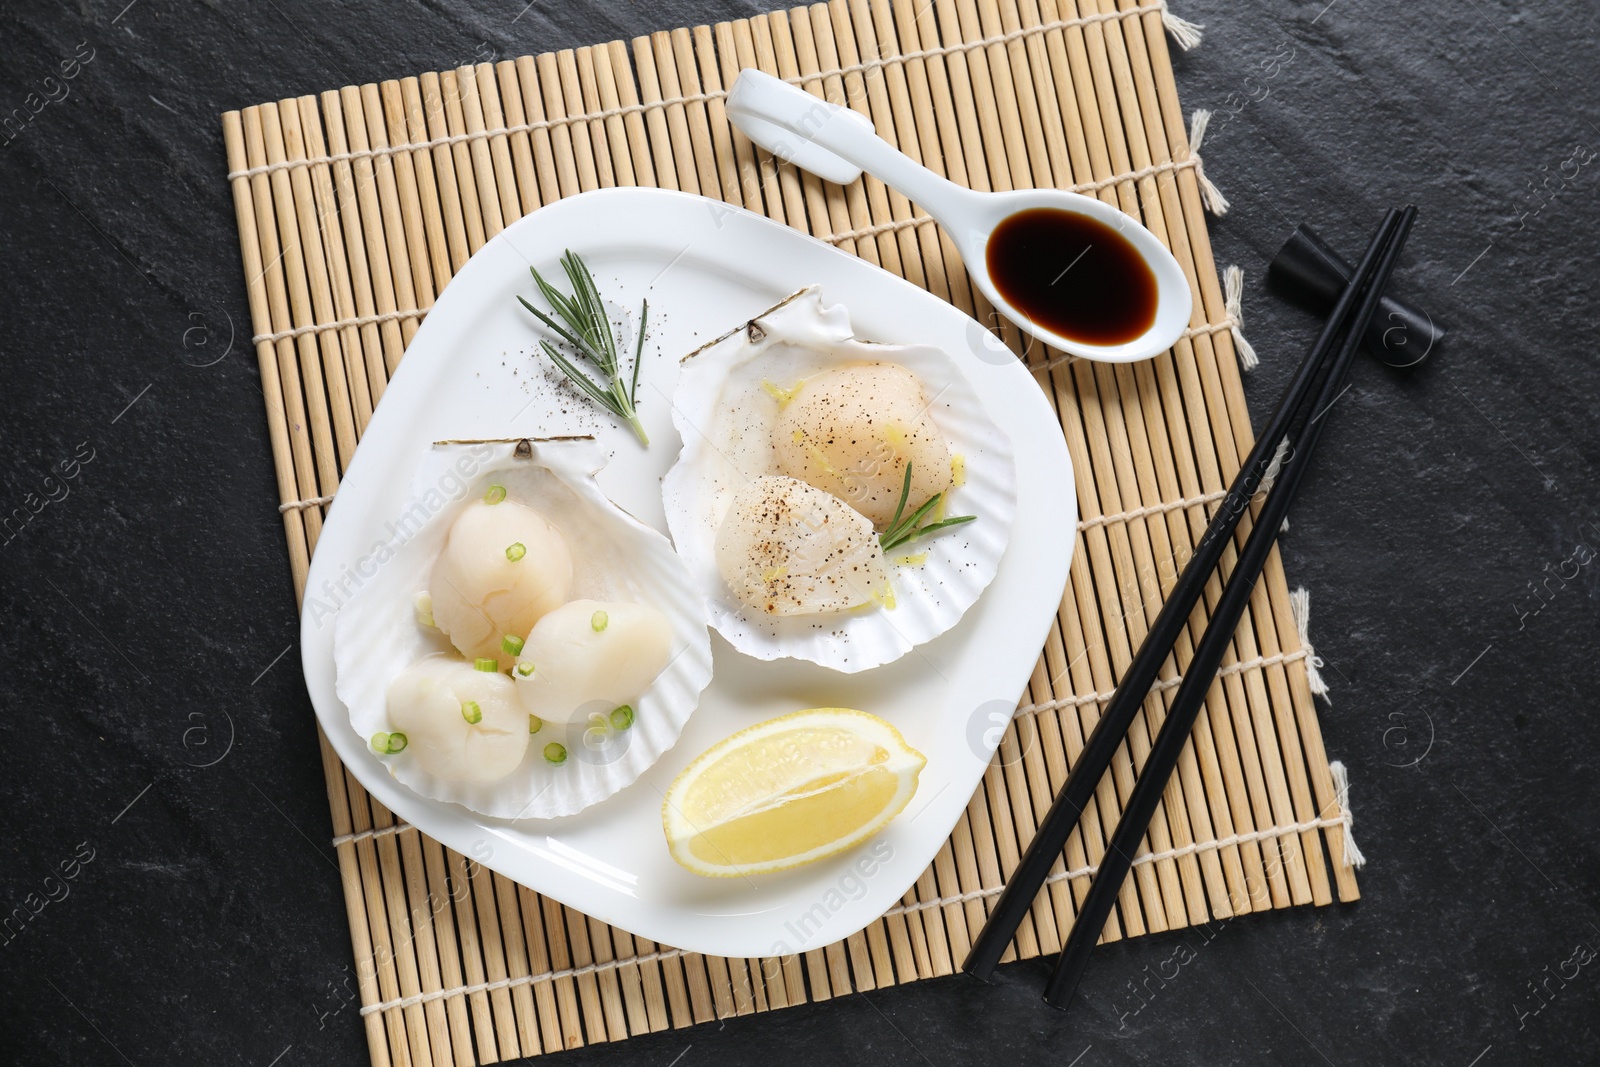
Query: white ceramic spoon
[837, 143]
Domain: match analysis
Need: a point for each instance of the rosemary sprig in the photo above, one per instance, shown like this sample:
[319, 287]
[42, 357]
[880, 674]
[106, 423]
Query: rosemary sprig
[588, 331]
[903, 532]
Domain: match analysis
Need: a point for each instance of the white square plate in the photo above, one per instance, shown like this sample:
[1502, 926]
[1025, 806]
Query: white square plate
[473, 371]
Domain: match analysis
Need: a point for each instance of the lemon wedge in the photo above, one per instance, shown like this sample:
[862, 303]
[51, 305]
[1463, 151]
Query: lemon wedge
[788, 791]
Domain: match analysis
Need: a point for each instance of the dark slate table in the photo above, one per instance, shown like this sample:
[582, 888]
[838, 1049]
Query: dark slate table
[1448, 534]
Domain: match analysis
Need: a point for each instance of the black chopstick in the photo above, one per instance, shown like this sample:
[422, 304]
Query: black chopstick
[1125, 703]
[1202, 670]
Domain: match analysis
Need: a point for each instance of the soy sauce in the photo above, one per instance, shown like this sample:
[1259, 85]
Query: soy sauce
[1073, 275]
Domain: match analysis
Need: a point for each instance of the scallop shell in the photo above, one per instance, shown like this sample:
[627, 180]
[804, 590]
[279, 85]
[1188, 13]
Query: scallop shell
[714, 411]
[615, 557]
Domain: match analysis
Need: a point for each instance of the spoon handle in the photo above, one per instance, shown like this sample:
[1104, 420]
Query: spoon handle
[835, 143]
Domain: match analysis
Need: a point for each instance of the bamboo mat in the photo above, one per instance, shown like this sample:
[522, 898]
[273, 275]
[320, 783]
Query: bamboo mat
[355, 208]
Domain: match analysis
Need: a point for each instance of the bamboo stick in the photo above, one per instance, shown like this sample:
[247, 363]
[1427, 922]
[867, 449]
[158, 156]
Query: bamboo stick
[300, 311]
[519, 143]
[547, 188]
[394, 233]
[380, 344]
[618, 136]
[612, 1001]
[516, 956]
[685, 81]
[495, 192]
[328, 218]
[419, 208]
[247, 194]
[310, 290]
[639, 151]
[350, 127]
[727, 38]
[473, 955]
[494, 942]
[425, 1023]
[817, 51]
[442, 919]
[425, 122]
[631, 978]
[572, 176]
[540, 961]
[406, 1030]
[710, 74]
[578, 85]
[658, 137]
[352, 881]
[449, 121]
[590, 1014]
[485, 113]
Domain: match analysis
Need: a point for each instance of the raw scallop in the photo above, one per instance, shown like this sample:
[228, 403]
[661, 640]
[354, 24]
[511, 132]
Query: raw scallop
[590, 656]
[850, 431]
[432, 701]
[786, 548]
[480, 593]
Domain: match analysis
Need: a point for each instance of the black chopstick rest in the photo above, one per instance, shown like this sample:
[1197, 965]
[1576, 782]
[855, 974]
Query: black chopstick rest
[1308, 269]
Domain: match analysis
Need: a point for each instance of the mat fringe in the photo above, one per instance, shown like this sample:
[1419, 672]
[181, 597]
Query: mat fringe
[1210, 195]
[1233, 304]
[1353, 856]
[1300, 606]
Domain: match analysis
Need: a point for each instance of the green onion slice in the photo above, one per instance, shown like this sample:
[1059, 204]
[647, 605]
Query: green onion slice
[622, 718]
[555, 754]
[535, 724]
[599, 621]
[511, 643]
[397, 742]
[487, 664]
[515, 551]
[525, 668]
[495, 494]
[471, 712]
